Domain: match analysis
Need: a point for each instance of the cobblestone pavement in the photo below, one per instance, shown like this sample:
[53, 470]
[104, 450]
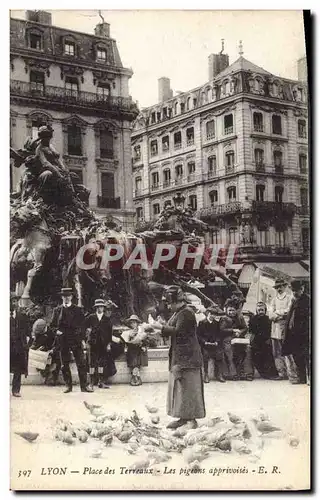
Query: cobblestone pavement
[286, 404]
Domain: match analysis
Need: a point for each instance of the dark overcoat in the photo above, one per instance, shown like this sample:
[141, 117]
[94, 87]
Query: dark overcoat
[19, 331]
[70, 321]
[101, 333]
[296, 338]
[185, 352]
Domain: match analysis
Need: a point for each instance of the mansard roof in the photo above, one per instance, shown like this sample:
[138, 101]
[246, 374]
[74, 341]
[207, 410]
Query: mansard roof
[242, 64]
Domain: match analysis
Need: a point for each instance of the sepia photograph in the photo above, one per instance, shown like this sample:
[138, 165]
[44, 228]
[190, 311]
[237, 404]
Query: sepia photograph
[160, 295]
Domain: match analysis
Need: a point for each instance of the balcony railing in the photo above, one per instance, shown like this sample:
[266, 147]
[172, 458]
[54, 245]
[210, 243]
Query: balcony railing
[177, 145]
[260, 167]
[138, 192]
[267, 249]
[166, 183]
[303, 210]
[274, 207]
[267, 207]
[154, 152]
[190, 142]
[258, 128]
[228, 130]
[104, 202]
[229, 169]
[278, 169]
[228, 208]
[191, 177]
[75, 97]
[211, 173]
[178, 180]
[155, 186]
[210, 136]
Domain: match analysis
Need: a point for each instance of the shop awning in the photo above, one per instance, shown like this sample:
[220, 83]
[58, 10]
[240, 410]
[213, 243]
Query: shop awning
[285, 270]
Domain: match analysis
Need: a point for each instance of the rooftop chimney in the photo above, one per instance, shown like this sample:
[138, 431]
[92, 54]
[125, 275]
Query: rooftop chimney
[302, 69]
[39, 16]
[164, 90]
[217, 62]
[103, 30]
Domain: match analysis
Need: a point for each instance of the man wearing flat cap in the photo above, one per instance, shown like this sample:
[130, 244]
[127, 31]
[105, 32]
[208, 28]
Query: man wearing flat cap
[68, 324]
[99, 337]
[297, 331]
[208, 333]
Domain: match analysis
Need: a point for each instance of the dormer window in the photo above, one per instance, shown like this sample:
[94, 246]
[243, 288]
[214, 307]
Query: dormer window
[69, 48]
[35, 41]
[101, 54]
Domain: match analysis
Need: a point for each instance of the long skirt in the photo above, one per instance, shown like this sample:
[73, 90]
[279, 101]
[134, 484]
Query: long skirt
[185, 396]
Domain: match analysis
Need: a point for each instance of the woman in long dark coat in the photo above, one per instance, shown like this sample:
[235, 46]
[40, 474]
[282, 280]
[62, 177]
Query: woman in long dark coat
[260, 329]
[185, 387]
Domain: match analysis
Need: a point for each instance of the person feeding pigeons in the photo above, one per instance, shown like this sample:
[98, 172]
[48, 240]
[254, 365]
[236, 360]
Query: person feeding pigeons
[185, 399]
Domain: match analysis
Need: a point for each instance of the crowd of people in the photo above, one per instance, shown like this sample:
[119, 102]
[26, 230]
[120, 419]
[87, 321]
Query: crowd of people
[274, 342]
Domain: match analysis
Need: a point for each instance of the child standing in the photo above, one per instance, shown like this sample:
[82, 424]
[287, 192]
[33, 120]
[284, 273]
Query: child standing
[136, 353]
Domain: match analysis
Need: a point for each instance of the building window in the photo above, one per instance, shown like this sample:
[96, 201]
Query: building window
[258, 122]
[139, 213]
[69, 48]
[229, 160]
[101, 55]
[165, 143]
[259, 157]
[35, 41]
[232, 193]
[166, 177]
[103, 90]
[107, 185]
[76, 176]
[137, 153]
[304, 197]
[212, 165]
[278, 194]
[175, 108]
[262, 238]
[191, 168]
[280, 238]
[153, 117]
[71, 86]
[276, 124]
[302, 129]
[154, 147]
[277, 159]
[214, 237]
[193, 202]
[188, 103]
[233, 236]
[154, 180]
[213, 195]
[156, 209]
[37, 82]
[106, 144]
[179, 171]
[228, 124]
[260, 188]
[177, 140]
[190, 136]
[303, 163]
[138, 184]
[210, 129]
[305, 239]
[74, 140]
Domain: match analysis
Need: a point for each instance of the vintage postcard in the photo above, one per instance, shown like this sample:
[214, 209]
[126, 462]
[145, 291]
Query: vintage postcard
[160, 238]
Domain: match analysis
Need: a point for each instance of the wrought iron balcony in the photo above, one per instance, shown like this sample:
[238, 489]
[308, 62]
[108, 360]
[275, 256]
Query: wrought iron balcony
[190, 142]
[177, 145]
[260, 167]
[71, 97]
[278, 169]
[220, 210]
[274, 207]
[104, 202]
[229, 169]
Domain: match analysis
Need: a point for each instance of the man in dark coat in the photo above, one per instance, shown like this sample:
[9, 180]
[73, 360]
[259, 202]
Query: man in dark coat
[185, 386]
[260, 330]
[99, 337]
[211, 346]
[232, 325]
[19, 339]
[296, 338]
[68, 324]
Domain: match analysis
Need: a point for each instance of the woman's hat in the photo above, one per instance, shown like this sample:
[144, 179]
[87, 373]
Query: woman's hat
[99, 302]
[133, 317]
[65, 292]
[279, 283]
[296, 285]
[39, 327]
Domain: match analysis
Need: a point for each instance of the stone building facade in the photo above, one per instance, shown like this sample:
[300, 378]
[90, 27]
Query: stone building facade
[75, 82]
[237, 149]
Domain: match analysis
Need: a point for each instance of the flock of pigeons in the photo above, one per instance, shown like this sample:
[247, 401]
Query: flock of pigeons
[153, 444]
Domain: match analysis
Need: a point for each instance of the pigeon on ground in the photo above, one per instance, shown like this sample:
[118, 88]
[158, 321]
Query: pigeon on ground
[234, 419]
[96, 453]
[151, 409]
[155, 420]
[28, 436]
[240, 447]
[90, 406]
[293, 441]
[265, 427]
